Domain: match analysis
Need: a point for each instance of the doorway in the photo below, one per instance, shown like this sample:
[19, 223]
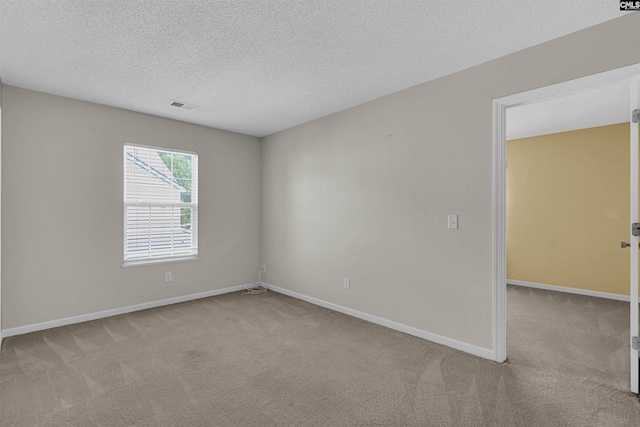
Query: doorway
[628, 75]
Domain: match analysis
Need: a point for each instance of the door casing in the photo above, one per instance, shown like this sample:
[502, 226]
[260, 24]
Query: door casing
[626, 74]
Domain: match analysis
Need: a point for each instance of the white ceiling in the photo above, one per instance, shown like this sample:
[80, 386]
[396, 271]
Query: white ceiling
[257, 67]
[597, 107]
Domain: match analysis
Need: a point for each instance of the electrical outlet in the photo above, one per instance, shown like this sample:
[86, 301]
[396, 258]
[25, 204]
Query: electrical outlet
[264, 268]
[168, 277]
[347, 283]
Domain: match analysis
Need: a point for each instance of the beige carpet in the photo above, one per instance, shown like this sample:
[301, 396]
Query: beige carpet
[269, 360]
[569, 334]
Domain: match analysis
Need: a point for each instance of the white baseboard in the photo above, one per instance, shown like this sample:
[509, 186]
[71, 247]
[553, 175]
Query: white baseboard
[569, 290]
[439, 339]
[114, 312]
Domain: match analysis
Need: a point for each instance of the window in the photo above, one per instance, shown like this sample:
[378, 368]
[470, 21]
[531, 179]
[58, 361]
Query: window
[160, 205]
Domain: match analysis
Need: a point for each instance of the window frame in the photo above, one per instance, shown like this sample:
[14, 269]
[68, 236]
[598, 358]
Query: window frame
[150, 260]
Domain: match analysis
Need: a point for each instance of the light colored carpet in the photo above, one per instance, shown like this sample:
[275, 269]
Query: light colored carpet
[570, 335]
[268, 360]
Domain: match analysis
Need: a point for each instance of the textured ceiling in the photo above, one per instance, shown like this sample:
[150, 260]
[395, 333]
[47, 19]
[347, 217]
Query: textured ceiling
[256, 67]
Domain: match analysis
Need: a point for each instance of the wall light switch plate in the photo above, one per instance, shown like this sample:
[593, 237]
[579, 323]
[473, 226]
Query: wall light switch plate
[453, 221]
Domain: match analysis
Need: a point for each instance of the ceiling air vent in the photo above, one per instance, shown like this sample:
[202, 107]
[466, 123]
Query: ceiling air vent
[183, 105]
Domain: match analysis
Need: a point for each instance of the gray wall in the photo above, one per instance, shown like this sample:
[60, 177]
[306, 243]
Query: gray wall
[365, 193]
[362, 194]
[62, 216]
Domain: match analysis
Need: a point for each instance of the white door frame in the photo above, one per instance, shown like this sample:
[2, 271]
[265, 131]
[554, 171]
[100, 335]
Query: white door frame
[633, 291]
[1, 336]
[621, 75]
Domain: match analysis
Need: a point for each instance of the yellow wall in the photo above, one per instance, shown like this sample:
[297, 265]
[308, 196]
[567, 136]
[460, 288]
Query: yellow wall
[568, 209]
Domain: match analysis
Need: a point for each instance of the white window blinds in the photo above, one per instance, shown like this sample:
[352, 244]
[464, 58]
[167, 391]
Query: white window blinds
[160, 204]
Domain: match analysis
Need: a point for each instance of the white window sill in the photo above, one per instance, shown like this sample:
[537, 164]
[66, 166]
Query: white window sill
[146, 262]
